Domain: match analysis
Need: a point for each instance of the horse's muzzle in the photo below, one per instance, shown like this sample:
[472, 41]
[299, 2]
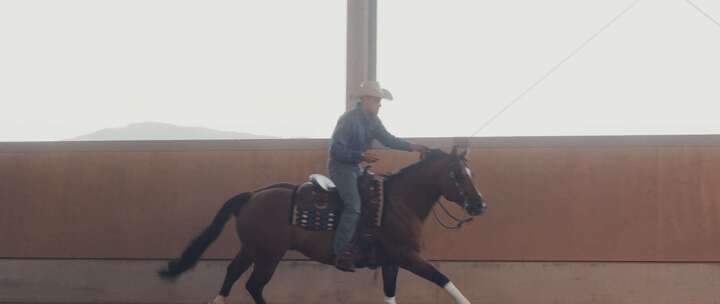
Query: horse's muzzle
[475, 208]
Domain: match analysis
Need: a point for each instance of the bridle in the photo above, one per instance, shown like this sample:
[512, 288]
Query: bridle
[458, 221]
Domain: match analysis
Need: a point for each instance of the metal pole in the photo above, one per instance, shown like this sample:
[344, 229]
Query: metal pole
[361, 45]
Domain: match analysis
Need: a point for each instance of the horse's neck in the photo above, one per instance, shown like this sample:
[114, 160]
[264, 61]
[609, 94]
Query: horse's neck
[418, 194]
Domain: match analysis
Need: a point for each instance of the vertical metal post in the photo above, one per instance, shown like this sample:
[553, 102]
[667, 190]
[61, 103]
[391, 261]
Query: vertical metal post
[361, 46]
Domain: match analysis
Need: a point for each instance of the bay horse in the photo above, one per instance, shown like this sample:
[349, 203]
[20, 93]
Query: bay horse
[263, 228]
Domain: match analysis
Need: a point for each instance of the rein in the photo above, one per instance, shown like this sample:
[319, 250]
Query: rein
[458, 222]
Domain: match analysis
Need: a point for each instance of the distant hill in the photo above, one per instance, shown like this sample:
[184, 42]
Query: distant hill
[164, 131]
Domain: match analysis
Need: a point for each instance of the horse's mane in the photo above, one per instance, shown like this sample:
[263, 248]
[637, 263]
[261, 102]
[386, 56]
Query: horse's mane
[407, 229]
[429, 156]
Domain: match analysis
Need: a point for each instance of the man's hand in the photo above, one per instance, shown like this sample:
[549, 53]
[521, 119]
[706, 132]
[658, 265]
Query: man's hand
[418, 148]
[369, 157]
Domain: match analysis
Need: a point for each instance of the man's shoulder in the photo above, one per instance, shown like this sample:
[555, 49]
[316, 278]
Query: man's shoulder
[353, 114]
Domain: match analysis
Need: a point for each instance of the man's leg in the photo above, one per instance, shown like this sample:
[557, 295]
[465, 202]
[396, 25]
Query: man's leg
[345, 178]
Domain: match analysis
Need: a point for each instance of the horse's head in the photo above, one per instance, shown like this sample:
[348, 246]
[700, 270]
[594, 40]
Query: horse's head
[455, 180]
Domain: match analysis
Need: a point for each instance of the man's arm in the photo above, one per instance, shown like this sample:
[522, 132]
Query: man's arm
[393, 142]
[389, 140]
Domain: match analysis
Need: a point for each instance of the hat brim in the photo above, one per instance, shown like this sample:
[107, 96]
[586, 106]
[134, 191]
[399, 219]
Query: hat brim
[386, 94]
[383, 94]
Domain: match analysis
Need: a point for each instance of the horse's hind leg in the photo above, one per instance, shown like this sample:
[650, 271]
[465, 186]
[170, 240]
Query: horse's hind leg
[237, 267]
[261, 275]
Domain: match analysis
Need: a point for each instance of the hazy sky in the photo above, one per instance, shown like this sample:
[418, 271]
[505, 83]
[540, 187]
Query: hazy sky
[277, 68]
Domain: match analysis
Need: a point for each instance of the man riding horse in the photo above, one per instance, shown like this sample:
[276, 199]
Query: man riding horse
[353, 135]
[261, 216]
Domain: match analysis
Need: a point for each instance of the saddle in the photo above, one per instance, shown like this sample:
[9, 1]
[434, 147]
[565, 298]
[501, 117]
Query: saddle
[317, 206]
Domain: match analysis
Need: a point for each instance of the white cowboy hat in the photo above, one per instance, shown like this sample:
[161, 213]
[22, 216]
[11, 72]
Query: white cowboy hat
[373, 88]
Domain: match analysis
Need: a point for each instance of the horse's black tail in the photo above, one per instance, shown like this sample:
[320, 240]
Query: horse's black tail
[197, 246]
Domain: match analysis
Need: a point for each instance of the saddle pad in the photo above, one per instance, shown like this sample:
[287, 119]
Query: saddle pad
[314, 219]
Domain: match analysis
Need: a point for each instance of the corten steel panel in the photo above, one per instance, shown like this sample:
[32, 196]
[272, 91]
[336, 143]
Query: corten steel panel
[129, 204]
[579, 199]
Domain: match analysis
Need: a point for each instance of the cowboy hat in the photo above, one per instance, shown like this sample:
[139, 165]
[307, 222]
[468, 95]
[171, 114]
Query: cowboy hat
[373, 88]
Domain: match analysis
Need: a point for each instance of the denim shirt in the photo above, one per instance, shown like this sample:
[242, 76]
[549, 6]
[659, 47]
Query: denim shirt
[354, 134]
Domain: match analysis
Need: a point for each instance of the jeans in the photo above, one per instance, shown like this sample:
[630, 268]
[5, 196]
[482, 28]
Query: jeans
[345, 177]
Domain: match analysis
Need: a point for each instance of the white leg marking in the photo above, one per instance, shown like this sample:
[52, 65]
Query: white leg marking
[456, 294]
[390, 300]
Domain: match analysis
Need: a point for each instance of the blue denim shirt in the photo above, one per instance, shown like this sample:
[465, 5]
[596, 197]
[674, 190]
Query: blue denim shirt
[354, 134]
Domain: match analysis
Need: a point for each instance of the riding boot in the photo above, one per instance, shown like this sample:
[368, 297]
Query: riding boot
[346, 260]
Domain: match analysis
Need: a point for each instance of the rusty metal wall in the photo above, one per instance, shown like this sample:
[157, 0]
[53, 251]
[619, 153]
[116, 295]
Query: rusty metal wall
[551, 199]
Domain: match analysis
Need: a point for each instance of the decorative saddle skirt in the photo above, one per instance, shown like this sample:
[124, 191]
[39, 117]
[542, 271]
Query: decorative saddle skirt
[317, 206]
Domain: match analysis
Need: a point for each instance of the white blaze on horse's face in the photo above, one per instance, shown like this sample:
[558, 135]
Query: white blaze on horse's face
[473, 200]
[470, 176]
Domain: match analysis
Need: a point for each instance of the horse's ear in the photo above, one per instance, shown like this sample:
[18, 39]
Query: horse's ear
[460, 146]
[460, 151]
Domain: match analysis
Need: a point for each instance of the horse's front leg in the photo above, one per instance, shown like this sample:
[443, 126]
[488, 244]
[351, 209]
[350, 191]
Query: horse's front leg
[419, 266]
[389, 273]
